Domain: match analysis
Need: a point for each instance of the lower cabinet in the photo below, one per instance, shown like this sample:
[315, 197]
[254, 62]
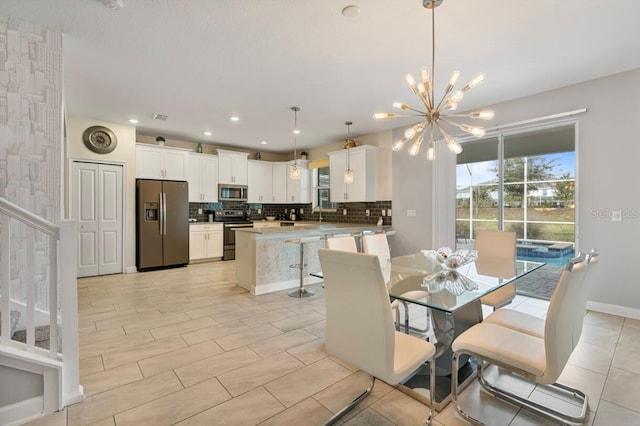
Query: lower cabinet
[205, 241]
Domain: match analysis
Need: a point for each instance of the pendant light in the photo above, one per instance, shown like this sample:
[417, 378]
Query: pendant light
[437, 114]
[294, 172]
[348, 173]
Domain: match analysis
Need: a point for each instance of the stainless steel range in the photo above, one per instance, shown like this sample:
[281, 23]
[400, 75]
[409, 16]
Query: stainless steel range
[232, 220]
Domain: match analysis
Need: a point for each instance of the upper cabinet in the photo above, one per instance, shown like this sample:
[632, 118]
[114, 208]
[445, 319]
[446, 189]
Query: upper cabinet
[156, 162]
[232, 167]
[280, 175]
[362, 161]
[299, 191]
[203, 178]
[269, 183]
[260, 182]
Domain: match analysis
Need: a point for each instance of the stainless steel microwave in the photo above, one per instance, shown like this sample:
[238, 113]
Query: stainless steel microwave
[232, 192]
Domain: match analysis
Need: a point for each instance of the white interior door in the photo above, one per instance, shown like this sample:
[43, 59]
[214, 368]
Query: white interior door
[97, 206]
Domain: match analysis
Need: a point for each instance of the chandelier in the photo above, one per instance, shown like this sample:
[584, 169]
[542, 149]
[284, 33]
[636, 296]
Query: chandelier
[294, 171]
[348, 173]
[439, 113]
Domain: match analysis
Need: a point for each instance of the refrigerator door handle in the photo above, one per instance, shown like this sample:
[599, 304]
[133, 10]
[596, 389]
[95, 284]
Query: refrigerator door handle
[164, 213]
[161, 222]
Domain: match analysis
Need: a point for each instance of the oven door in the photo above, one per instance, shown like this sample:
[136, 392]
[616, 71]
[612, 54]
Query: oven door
[229, 239]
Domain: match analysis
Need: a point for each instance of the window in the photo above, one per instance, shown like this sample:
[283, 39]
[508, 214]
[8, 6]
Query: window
[521, 182]
[321, 190]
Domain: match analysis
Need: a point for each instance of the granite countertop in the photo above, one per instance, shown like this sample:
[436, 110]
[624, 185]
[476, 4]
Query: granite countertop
[314, 228]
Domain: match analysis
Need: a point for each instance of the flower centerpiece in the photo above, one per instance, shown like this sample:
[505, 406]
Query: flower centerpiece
[445, 275]
[450, 260]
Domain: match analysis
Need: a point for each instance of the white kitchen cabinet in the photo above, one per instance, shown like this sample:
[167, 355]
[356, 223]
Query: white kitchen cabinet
[280, 175]
[362, 161]
[260, 180]
[232, 167]
[299, 191]
[203, 178]
[156, 162]
[269, 183]
[205, 241]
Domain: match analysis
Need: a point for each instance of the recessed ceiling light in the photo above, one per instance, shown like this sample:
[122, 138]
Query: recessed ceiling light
[207, 133]
[296, 132]
[113, 4]
[351, 11]
[234, 118]
[133, 121]
[263, 143]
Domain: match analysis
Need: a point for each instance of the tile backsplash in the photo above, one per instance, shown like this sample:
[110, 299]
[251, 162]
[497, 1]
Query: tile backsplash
[356, 212]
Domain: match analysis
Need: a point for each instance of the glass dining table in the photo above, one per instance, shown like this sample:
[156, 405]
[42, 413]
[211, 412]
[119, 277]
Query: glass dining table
[451, 301]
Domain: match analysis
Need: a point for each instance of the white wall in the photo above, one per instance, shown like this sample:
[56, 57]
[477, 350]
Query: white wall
[411, 191]
[125, 153]
[608, 154]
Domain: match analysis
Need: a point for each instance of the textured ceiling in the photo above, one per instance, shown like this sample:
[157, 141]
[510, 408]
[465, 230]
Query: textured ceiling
[201, 61]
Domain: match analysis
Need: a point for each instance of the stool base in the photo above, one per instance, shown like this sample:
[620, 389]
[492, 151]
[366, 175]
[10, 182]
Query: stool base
[300, 293]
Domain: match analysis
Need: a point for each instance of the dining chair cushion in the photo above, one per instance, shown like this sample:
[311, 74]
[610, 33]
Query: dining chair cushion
[500, 297]
[504, 345]
[519, 321]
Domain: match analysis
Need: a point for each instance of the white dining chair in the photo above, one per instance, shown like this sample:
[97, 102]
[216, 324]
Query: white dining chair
[344, 243]
[497, 246]
[531, 324]
[379, 245]
[360, 328]
[534, 358]
[348, 243]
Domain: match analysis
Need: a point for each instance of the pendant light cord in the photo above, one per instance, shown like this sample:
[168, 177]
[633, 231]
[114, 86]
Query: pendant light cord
[433, 51]
[348, 123]
[295, 135]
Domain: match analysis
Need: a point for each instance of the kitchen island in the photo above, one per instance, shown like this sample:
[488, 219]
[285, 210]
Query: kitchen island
[263, 255]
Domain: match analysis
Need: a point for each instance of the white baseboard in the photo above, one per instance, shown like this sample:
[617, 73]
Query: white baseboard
[74, 397]
[23, 411]
[622, 311]
[131, 270]
[282, 285]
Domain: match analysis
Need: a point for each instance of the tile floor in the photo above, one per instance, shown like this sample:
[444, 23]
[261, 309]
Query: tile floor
[187, 346]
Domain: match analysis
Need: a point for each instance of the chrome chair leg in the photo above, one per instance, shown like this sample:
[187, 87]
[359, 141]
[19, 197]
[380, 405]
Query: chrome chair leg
[352, 404]
[505, 395]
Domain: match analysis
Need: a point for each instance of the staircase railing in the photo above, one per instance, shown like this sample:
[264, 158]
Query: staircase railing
[61, 271]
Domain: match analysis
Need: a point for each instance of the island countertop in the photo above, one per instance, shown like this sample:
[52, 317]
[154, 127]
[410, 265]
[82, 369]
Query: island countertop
[265, 256]
[313, 228]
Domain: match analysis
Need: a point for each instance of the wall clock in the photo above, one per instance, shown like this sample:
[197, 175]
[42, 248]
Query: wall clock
[99, 139]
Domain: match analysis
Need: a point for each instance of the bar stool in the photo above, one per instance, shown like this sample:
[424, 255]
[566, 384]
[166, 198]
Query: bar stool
[301, 292]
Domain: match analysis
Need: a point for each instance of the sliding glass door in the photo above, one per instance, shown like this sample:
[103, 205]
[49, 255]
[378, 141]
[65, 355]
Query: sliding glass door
[522, 182]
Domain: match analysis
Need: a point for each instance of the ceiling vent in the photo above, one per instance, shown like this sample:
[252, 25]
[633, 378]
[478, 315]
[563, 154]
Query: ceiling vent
[161, 117]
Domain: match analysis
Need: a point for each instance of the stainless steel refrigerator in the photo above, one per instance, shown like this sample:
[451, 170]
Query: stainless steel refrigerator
[162, 224]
